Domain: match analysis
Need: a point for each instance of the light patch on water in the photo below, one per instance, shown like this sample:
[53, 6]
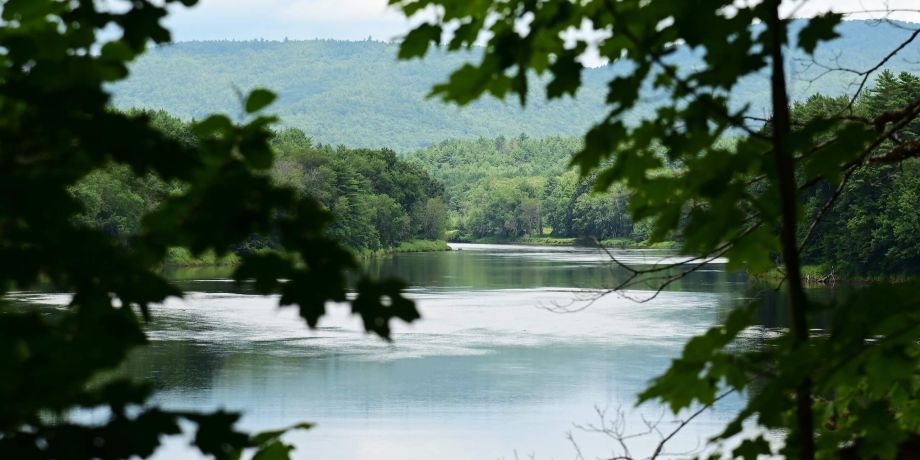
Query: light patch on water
[453, 323]
[58, 300]
[636, 257]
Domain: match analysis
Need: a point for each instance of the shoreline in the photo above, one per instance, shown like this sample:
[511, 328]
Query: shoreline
[820, 275]
[180, 258]
[406, 247]
[571, 241]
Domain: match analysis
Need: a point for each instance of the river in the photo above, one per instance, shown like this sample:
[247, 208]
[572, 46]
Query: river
[494, 370]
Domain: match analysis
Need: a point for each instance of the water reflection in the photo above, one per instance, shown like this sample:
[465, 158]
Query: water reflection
[515, 267]
[488, 372]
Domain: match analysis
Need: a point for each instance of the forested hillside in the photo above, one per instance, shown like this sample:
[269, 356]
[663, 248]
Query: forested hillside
[357, 94]
[511, 188]
[379, 201]
[873, 229]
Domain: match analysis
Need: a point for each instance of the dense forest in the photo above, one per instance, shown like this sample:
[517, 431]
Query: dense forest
[357, 94]
[379, 201]
[873, 228]
[516, 188]
[512, 188]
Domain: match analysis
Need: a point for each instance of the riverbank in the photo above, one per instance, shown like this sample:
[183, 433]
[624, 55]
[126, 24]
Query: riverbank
[824, 275]
[182, 258]
[407, 246]
[556, 241]
[811, 275]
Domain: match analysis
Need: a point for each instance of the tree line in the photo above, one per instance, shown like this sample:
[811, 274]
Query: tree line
[509, 188]
[874, 226]
[518, 187]
[379, 201]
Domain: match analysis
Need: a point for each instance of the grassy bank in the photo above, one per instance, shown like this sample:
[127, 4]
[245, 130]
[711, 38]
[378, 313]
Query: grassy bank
[630, 244]
[811, 274]
[407, 246]
[822, 274]
[422, 246]
[181, 257]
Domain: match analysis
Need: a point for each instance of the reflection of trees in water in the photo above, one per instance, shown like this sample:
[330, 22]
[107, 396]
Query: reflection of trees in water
[176, 365]
[524, 269]
[773, 310]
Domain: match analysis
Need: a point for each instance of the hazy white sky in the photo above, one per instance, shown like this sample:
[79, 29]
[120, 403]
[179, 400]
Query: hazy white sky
[358, 19]
[295, 19]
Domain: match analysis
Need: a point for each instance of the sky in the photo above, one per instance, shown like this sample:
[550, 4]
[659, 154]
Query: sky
[360, 19]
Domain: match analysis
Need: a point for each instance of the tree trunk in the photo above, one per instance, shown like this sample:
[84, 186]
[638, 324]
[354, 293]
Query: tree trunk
[785, 165]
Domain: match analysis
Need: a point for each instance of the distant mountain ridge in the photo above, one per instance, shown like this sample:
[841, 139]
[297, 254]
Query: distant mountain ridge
[358, 94]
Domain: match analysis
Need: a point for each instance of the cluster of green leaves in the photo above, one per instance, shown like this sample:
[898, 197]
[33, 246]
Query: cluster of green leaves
[354, 93]
[510, 188]
[856, 385]
[863, 367]
[378, 200]
[56, 129]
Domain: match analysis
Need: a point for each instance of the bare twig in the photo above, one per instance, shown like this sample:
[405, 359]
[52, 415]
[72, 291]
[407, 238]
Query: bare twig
[615, 428]
[578, 454]
[687, 421]
[824, 209]
[868, 73]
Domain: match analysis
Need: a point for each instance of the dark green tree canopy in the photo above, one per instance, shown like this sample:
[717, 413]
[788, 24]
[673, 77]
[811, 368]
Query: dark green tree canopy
[115, 199]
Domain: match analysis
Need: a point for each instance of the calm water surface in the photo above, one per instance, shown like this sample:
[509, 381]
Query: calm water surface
[492, 371]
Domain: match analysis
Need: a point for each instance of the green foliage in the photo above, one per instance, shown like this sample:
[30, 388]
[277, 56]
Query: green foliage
[602, 216]
[94, 200]
[258, 100]
[511, 188]
[873, 229]
[378, 199]
[431, 219]
[818, 29]
[507, 208]
[407, 246]
[181, 257]
[855, 386]
[356, 94]
[422, 246]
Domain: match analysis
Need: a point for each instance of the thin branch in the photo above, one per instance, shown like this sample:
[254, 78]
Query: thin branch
[578, 454]
[687, 421]
[825, 208]
[900, 153]
[838, 364]
[868, 73]
[898, 120]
